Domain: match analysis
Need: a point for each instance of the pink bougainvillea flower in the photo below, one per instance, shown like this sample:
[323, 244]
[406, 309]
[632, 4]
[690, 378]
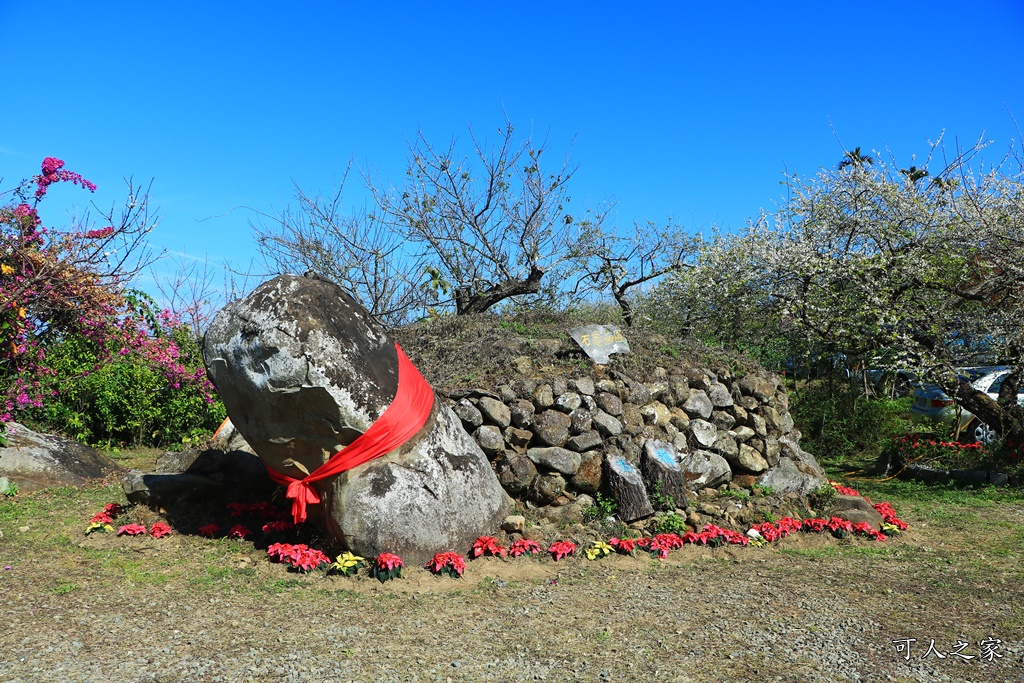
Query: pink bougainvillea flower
[210, 530]
[488, 545]
[451, 564]
[239, 531]
[524, 546]
[159, 530]
[132, 530]
[560, 549]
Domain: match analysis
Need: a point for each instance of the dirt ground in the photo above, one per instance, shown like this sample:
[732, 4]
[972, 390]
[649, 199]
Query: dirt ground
[810, 607]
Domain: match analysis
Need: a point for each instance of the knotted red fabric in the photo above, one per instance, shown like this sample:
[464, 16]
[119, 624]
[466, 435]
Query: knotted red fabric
[405, 416]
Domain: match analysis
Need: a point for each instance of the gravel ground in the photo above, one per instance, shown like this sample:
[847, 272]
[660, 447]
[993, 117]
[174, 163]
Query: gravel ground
[809, 609]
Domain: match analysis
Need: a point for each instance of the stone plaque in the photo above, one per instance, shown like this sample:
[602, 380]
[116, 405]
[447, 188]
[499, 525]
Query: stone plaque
[600, 341]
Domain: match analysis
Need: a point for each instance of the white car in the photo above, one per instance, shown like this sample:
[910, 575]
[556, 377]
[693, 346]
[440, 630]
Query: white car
[932, 405]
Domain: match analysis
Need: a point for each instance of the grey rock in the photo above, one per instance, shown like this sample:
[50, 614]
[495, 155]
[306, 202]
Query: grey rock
[584, 442]
[495, 412]
[506, 393]
[558, 459]
[758, 424]
[543, 397]
[580, 421]
[606, 424]
[582, 385]
[469, 414]
[788, 476]
[773, 420]
[155, 490]
[609, 403]
[521, 413]
[518, 439]
[720, 396]
[34, 461]
[303, 371]
[704, 433]
[515, 472]
[750, 460]
[726, 445]
[855, 509]
[551, 428]
[680, 388]
[524, 387]
[546, 488]
[760, 387]
[568, 402]
[698, 405]
[656, 413]
[743, 434]
[698, 379]
[490, 439]
[589, 476]
[723, 420]
[772, 450]
[704, 469]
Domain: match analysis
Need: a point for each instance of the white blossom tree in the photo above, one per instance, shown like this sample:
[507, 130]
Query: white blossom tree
[921, 266]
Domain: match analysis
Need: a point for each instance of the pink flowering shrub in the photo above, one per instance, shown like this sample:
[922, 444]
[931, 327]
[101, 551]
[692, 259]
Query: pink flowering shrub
[79, 350]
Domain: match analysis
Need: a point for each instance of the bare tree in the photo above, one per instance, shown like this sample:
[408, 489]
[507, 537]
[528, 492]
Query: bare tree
[357, 250]
[488, 226]
[621, 265]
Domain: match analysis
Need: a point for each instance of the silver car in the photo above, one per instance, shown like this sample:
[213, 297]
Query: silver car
[932, 405]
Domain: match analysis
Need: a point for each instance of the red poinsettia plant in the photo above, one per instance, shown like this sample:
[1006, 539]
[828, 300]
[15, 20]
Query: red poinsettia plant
[239, 531]
[625, 546]
[132, 530]
[159, 530]
[488, 545]
[524, 546]
[209, 530]
[560, 549]
[447, 564]
[386, 567]
[299, 556]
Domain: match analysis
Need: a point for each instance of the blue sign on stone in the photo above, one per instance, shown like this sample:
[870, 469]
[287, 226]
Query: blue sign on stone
[663, 455]
[625, 466]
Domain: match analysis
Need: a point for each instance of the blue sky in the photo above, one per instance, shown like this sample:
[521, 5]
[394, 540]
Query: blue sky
[683, 110]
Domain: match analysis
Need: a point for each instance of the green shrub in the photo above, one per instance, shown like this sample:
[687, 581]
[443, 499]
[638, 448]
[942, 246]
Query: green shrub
[839, 423]
[126, 399]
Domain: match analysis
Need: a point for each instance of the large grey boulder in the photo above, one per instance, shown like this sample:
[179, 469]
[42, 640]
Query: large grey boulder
[303, 371]
[34, 461]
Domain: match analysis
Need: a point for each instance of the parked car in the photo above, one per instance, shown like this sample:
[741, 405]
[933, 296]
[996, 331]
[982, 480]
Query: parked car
[932, 405]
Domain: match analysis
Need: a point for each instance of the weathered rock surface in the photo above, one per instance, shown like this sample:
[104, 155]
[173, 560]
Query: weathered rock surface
[304, 371]
[34, 461]
[855, 509]
[705, 469]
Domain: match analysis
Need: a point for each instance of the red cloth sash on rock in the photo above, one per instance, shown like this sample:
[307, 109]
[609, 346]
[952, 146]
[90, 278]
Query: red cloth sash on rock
[405, 416]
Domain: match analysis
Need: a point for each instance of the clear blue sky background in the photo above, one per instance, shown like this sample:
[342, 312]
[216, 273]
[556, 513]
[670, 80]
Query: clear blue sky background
[688, 110]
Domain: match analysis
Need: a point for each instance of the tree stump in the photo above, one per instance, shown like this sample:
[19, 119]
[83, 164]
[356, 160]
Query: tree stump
[662, 472]
[626, 484]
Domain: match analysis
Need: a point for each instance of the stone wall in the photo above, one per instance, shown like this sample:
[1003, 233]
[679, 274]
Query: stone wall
[552, 441]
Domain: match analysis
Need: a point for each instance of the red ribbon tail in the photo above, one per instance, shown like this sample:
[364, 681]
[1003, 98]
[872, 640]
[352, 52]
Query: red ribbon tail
[302, 493]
